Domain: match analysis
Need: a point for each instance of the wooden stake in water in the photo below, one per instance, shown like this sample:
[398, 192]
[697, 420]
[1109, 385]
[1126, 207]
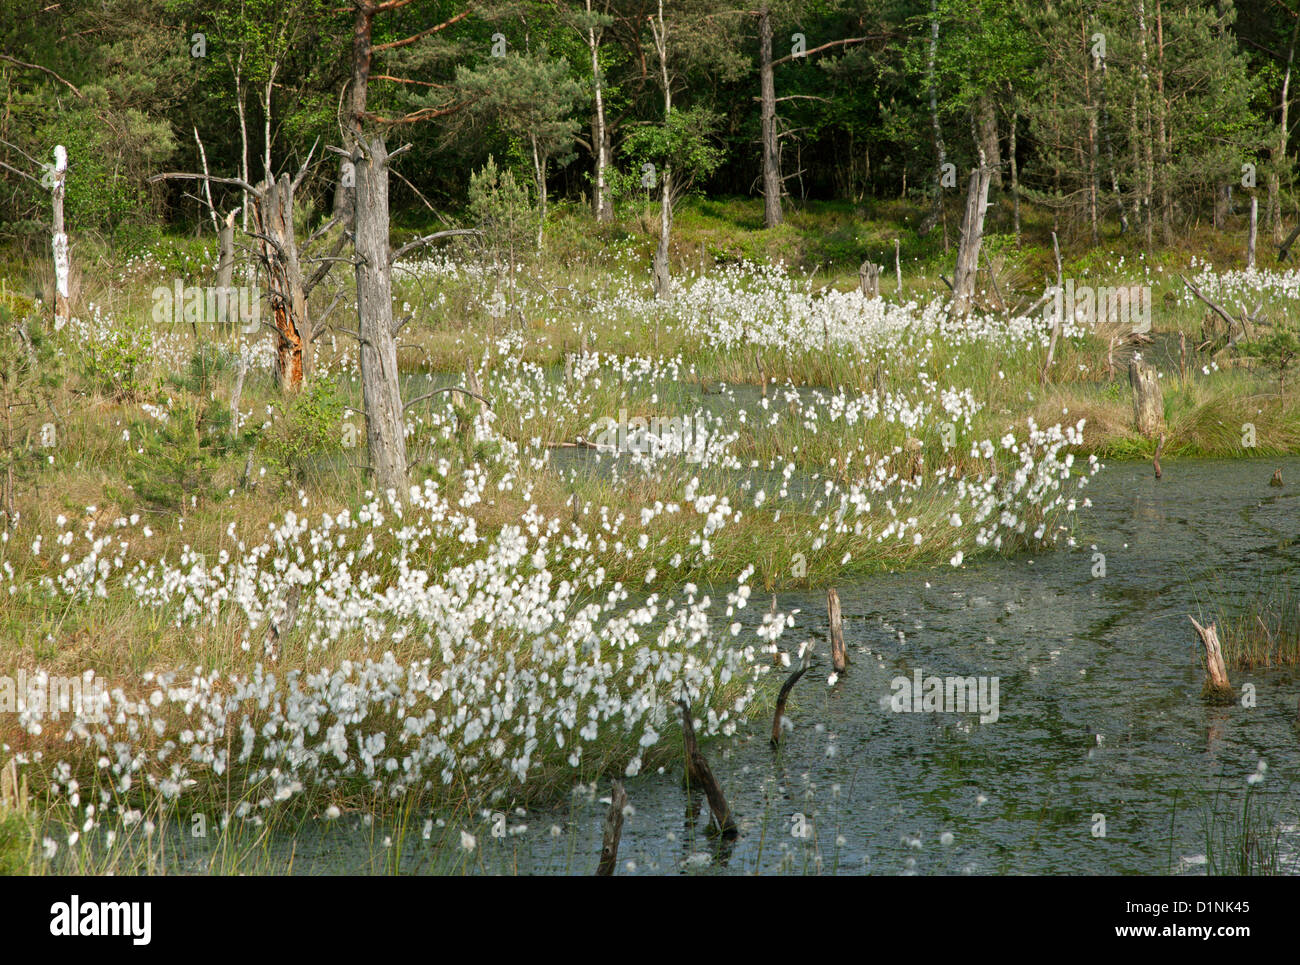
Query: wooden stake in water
[780, 702]
[1148, 400]
[699, 774]
[1217, 688]
[838, 656]
[613, 830]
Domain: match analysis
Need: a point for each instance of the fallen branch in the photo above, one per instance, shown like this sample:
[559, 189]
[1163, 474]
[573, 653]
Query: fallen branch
[450, 388]
[1216, 308]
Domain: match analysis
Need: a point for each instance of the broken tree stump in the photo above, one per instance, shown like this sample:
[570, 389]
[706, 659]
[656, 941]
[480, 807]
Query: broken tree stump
[972, 233]
[869, 279]
[780, 702]
[699, 774]
[613, 830]
[1148, 401]
[1217, 689]
[1155, 459]
[1277, 478]
[13, 790]
[838, 656]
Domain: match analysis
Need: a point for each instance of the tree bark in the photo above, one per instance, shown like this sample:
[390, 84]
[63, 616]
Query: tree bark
[1164, 137]
[613, 830]
[1148, 401]
[358, 91]
[1254, 226]
[988, 128]
[1015, 176]
[59, 240]
[1110, 148]
[286, 294]
[380, 386]
[940, 154]
[772, 214]
[869, 279]
[601, 202]
[1279, 157]
[972, 234]
[1216, 686]
[839, 657]
[662, 271]
[226, 264]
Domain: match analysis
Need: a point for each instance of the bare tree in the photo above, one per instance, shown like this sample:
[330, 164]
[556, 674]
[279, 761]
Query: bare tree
[380, 386]
[288, 285]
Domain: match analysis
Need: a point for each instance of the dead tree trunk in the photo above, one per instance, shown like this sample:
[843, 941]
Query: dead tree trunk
[286, 290]
[772, 214]
[1148, 401]
[940, 154]
[700, 775]
[972, 234]
[988, 137]
[381, 390]
[226, 266]
[602, 202]
[662, 272]
[839, 658]
[869, 279]
[781, 698]
[613, 831]
[357, 93]
[1254, 229]
[59, 240]
[1216, 687]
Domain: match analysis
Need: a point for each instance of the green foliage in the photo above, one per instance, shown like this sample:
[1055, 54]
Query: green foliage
[529, 95]
[114, 360]
[685, 142]
[30, 372]
[1278, 349]
[502, 210]
[306, 428]
[180, 454]
[17, 843]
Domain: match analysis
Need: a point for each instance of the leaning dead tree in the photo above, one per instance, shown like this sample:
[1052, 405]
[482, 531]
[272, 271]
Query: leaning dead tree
[284, 263]
[700, 775]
